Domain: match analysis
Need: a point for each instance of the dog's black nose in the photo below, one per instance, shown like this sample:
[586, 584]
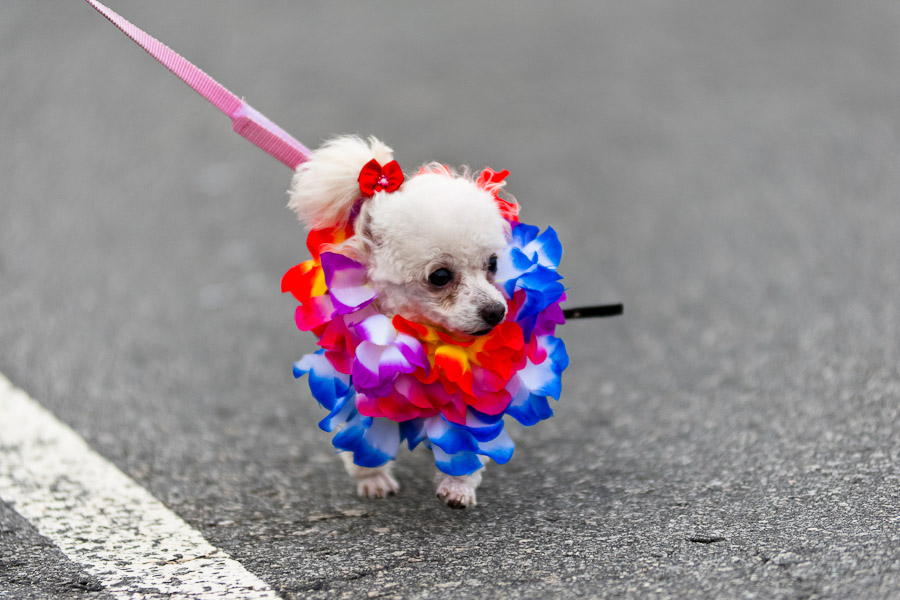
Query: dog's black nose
[493, 313]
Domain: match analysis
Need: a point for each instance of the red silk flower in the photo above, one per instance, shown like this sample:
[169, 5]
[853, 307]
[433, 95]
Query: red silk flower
[375, 178]
[492, 182]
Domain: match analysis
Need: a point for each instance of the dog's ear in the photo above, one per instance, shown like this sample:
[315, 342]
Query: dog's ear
[325, 187]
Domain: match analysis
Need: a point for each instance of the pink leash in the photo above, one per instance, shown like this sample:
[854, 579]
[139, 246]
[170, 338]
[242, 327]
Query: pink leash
[245, 119]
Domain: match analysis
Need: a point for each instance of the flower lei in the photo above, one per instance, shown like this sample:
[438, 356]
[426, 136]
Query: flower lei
[386, 380]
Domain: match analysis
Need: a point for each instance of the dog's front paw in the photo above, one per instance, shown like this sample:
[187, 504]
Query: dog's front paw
[378, 484]
[456, 492]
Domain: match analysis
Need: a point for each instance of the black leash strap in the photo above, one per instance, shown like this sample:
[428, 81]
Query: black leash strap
[584, 312]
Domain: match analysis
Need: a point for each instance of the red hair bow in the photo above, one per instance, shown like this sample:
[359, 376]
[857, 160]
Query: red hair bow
[375, 178]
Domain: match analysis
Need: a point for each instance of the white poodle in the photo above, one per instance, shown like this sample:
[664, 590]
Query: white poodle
[430, 252]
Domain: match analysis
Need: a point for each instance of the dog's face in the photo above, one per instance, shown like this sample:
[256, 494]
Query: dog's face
[432, 253]
[429, 247]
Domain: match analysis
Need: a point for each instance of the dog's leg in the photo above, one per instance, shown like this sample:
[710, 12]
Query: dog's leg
[371, 483]
[458, 491]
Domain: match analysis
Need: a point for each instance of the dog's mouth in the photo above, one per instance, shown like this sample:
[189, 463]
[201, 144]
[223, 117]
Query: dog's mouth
[482, 332]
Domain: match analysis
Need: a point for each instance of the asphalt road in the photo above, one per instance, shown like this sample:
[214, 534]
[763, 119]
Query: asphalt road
[728, 170]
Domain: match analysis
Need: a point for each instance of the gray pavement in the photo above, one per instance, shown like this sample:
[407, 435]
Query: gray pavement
[728, 170]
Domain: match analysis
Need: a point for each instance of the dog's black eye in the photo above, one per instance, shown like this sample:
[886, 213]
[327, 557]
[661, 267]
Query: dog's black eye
[492, 264]
[440, 277]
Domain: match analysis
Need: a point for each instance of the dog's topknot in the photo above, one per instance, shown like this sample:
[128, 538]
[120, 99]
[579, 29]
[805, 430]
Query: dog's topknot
[325, 187]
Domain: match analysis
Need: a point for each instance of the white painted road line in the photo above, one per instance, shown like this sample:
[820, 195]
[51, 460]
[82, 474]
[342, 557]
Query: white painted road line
[99, 517]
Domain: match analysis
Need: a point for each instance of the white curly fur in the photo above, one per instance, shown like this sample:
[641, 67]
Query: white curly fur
[458, 491]
[325, 187]
[438, 219]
